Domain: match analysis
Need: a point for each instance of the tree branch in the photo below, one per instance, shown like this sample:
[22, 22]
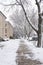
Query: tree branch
[38, 6]
[39, 1]
[17, 1]
[42, 13]
[9, 4]
[28, 20]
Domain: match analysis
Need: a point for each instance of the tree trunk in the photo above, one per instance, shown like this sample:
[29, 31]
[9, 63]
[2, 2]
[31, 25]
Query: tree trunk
[39, 24]
[39, 33]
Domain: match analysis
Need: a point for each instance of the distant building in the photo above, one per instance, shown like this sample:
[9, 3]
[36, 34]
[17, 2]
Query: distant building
[6, 29]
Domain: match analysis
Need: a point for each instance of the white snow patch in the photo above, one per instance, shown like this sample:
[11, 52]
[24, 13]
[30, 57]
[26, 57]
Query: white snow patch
[38, 52]
[8, 53]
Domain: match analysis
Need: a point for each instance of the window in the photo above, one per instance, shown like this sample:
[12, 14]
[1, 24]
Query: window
[5, 35]
[5, 30]
[5, 25]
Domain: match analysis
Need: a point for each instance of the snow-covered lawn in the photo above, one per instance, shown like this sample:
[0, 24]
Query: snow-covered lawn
[8, 52]
[37, 52]
[9, 48]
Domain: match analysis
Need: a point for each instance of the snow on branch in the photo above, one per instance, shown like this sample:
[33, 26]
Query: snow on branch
[28, 20]
[12, 4]
[20, 3]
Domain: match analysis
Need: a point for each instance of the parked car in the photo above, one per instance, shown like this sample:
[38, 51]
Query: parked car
[6, 39]
[1, 39]
[33, 38]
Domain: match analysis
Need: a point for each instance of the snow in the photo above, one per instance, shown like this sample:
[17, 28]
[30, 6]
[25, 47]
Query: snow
[8, 51]
[8, 20]
[38, 52]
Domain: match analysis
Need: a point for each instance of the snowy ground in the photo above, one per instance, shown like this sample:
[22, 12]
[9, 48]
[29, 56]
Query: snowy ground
[8, 51]
[38, 52]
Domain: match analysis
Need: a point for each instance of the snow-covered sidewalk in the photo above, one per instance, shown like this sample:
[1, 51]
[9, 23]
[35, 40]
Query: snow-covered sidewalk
[9, 48]
[37, 52]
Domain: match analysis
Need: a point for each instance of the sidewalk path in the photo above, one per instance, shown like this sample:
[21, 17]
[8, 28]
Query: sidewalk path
[24, 55]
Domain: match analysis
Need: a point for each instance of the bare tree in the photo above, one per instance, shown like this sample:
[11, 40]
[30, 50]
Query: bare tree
[20, 24]
[21, 3]
[39, 20]
[39, 23]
